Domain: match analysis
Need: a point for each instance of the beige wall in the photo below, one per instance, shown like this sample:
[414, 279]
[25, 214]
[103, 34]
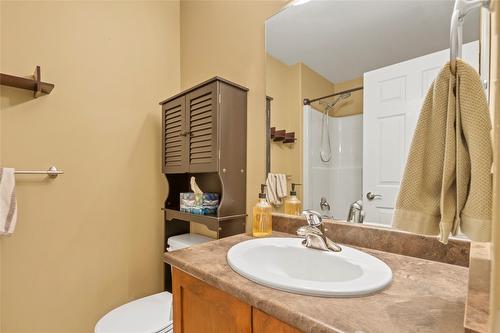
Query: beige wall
[226, 38]
[92, 238]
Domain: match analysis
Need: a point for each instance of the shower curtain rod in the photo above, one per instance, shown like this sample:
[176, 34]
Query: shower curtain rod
[308, 101]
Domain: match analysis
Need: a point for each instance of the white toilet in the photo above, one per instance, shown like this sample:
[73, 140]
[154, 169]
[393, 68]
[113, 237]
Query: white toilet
[151, 314]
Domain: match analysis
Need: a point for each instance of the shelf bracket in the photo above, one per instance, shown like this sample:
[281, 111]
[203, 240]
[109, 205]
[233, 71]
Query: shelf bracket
[37, 76]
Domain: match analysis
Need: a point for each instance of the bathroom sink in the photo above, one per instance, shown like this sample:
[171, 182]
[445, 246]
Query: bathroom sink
[285, 264]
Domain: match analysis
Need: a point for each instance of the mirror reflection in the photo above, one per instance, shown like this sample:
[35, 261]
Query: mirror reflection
[345, 82]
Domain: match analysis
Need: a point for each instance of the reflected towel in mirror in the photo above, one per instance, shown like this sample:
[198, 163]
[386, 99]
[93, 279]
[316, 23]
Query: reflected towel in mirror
[276, 188]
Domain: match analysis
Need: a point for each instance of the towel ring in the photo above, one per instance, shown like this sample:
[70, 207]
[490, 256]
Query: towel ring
[460, 10]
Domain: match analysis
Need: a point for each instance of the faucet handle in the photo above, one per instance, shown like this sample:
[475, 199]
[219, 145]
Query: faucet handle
[307, 229]
[313, 218]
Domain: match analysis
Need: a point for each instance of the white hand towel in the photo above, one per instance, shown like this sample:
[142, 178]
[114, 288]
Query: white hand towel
[8, 205]
[276, 188]
[272, 197]
[281, 186]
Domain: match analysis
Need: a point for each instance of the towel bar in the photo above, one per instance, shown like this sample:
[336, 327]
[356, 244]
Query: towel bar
[52, 172]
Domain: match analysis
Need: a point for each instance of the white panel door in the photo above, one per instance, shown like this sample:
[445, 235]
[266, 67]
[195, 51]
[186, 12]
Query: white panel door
[393, 96]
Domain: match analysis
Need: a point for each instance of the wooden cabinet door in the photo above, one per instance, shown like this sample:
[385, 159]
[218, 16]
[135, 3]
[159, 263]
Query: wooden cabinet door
[264, 323]
[201, 106]
[174, 157]
[200, 308]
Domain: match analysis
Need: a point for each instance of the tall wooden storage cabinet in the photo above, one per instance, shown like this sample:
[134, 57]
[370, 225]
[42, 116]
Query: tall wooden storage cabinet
[204, 135]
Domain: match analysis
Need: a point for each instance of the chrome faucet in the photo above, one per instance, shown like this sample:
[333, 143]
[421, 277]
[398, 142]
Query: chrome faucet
[314, 233]
[323, 204]
[356, 213]
[325, 207]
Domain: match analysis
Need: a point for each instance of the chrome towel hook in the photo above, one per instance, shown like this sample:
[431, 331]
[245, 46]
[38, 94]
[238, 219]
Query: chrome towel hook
[460, 10]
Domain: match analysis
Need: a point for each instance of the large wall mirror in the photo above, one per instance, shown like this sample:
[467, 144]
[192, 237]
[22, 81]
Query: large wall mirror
[363, 69]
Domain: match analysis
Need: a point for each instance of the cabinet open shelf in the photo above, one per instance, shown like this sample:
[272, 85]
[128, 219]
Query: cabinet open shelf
[211, 221]
[34, 84]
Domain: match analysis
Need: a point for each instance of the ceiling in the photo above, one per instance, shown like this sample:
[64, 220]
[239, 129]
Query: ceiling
[343, 39]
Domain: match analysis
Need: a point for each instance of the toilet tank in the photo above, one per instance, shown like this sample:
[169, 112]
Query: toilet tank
[186, 240]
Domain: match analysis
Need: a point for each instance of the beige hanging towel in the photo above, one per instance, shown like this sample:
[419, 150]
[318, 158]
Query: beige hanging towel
[8, 206]
[447, 182]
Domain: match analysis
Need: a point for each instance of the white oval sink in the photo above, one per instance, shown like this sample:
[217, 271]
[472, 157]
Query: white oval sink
[285, 264]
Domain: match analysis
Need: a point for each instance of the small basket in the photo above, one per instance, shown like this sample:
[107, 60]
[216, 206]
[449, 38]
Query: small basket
[200, 204]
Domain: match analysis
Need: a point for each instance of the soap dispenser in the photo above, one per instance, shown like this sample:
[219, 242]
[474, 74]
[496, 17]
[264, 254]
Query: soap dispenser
[293, 206]
[262, 216]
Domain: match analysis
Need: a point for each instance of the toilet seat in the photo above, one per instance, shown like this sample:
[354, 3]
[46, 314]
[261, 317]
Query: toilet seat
[150, 314]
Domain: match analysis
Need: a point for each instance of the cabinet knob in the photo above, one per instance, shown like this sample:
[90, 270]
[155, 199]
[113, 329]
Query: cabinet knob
[242, 170]
[224, 170]
[185, 133]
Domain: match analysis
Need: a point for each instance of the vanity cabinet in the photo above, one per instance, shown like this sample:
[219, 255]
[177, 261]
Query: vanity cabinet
[264, 323]
[199, 307]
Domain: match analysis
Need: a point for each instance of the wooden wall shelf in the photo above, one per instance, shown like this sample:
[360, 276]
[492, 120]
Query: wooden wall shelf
[282, 136]
[34, 84]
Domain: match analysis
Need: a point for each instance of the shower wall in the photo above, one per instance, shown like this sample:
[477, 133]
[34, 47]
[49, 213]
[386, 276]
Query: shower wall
[340, 179]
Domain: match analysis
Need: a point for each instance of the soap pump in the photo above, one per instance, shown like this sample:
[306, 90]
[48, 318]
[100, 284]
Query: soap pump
[293, 206]
[262, 216]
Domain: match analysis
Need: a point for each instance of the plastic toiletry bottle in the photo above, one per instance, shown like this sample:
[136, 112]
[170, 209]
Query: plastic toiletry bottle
[262, 216]
[293, 206]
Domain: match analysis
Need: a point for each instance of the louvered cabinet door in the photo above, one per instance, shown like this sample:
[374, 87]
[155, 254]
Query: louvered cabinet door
[201, 106]
[175, 157]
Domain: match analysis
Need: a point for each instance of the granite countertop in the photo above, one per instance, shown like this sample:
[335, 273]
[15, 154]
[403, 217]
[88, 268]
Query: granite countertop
[424, 296]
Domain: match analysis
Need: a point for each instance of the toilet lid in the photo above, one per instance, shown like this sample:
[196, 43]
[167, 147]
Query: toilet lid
[150, 314]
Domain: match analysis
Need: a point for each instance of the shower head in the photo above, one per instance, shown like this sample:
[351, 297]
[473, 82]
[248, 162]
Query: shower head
[330, 106]
[341, 96]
